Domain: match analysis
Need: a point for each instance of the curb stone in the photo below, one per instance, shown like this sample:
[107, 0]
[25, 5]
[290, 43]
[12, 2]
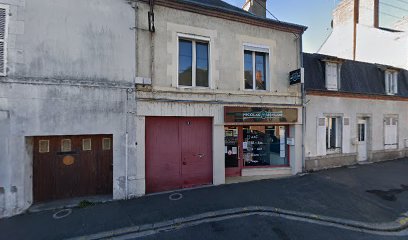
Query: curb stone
[149, 229]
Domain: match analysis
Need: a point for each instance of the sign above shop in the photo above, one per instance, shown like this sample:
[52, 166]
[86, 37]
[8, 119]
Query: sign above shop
[296, 76]
[261, 115]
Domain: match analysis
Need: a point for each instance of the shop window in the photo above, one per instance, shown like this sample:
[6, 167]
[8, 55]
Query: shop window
[43, 146]
[390, 133]
[193, 63]
[332, 76]
[86, 144]
[265, 146]
[256, 68]
[391, 82]
[333, 134]
[66, 145]
[106, 144]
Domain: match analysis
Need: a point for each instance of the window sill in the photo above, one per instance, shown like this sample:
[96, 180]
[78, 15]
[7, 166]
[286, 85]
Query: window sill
[330, 151]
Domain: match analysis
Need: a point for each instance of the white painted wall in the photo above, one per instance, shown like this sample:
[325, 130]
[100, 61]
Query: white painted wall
[70, 64]
[376, 110]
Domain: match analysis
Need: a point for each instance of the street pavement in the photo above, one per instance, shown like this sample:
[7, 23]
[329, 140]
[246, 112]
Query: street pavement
[260, 227]
[374, 193]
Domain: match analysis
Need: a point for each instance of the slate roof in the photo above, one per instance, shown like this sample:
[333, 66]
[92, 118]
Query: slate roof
[356, 77]
[222, 6]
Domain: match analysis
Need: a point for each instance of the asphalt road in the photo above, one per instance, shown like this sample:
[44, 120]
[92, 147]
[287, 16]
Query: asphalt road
[264, 227]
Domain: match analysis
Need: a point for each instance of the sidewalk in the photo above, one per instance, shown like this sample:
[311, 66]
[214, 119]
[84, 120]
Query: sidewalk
[338, 193]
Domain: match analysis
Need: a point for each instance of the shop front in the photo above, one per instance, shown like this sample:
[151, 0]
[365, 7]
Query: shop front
[257, 138]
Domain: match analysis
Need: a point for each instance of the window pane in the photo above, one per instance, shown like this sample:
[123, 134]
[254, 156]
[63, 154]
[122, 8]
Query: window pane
[260, 69]
[185, 62]
[202, 64]
[265, 146]
[248, 75]
[333, 133]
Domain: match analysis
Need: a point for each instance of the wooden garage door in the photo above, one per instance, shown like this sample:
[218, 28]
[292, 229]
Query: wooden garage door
[72, 166]
[178, 153]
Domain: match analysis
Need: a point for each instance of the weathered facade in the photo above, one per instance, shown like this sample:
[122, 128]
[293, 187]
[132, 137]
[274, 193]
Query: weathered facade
[357, 35]
[355, 112]
[70, 70]
[182, 97]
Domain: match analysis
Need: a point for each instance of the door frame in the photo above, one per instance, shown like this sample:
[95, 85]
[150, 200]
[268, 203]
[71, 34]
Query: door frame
[236, 171]
[365, 122]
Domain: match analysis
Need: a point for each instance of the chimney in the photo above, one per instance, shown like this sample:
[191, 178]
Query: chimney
[364, 12]
[256, 7]
[368, 12]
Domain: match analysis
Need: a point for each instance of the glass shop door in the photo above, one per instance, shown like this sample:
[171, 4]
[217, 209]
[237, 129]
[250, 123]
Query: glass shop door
[233, 151]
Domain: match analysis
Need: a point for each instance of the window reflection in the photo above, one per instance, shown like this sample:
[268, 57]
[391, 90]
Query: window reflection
[248, 70]
[260, 71]
[255, 61]
[185, 63]
[265, 146]
[202, 64]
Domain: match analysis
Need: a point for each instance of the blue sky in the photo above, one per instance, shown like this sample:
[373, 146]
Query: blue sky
[317, 15]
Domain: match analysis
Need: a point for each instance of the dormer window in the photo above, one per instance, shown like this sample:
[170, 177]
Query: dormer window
[332, 76]
[391, 82]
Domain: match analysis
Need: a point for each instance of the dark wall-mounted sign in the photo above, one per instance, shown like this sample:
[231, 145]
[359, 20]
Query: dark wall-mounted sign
[260, 115]
[296, 76]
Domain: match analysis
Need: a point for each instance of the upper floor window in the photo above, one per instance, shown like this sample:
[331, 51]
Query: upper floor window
[332, 76]
[193, 65]
[391, 82]
[256, 68]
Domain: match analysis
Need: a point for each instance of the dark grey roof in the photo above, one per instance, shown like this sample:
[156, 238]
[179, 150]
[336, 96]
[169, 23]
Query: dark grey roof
[355, 77]
[226, 7]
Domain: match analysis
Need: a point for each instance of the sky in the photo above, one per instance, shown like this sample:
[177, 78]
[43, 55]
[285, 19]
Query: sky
[317, 16]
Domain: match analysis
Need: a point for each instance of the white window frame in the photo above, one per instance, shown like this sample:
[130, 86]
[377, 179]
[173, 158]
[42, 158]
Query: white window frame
[7, 8]
[391, 82]
[338, 68]
[339, 134]
[194, 39]
[254, 49]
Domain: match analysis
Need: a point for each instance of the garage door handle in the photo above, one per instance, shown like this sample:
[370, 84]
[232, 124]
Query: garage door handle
[200, 155]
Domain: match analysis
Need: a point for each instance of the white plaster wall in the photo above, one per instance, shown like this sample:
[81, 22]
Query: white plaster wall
[84, 40]
[41, 110]
[70, 65]
[340, 42]
[379, 46]
[318, 106]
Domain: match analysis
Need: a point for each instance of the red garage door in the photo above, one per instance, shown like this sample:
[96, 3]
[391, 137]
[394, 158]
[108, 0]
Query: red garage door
[178, 153]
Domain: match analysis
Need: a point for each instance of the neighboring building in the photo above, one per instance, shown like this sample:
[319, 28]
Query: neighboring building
[356, 35]
[213, 95]
[68, 71]
[355, 112]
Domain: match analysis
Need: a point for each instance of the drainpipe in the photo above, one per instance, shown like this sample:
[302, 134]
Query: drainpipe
[303, 106]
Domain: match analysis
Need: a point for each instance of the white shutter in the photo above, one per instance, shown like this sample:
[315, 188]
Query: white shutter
[387, 82]
[395, 82]
[3, 39]
[321, 137]
[394, 134]
[346, 140]
[390, 133]
[331, 76]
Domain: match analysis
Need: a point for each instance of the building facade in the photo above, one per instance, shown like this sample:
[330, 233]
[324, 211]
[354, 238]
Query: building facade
[66, 97]
[357, 34]
[213, 95]
[356, 112]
